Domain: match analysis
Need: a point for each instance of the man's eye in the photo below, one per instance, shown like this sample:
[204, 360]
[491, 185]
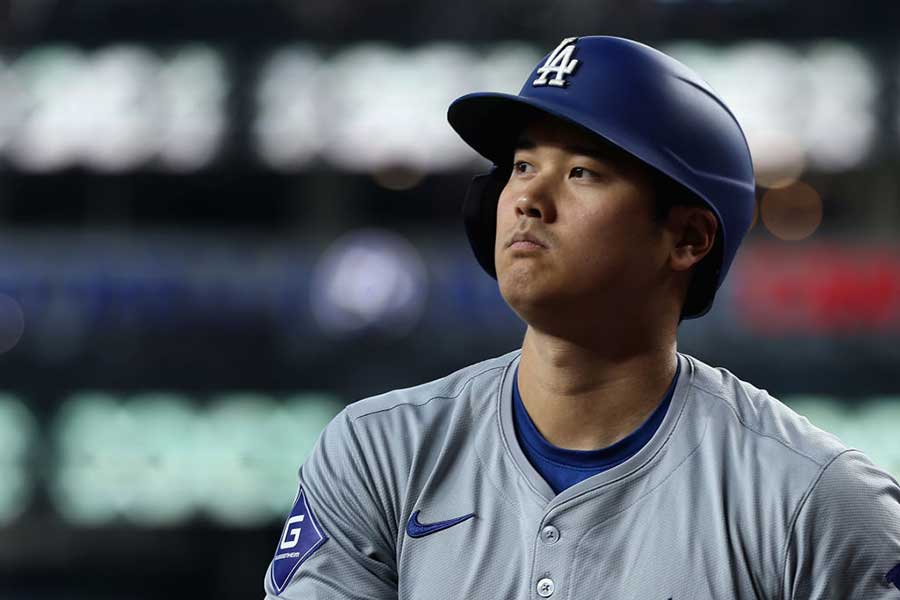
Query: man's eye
[579, 172]
[521, 166]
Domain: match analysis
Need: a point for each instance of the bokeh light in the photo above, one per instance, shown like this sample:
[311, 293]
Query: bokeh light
[18, 439]
[374, 106]
[114, 109]
[825, 412]
[49, 79]
[129, 460]
[798, 105]
[387, 106]
[14, 103]
[116, 122]
[288, 128]
[841, 114]
[194, 89]
[369, 280]
[156, 459]
[248, 451]
[165, 436]
[778, 159]
[95, 456]
[874, 431]
[792, 212]
[398, 178]
[869, 425]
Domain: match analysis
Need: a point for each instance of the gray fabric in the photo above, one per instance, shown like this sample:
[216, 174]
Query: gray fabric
[734, 497]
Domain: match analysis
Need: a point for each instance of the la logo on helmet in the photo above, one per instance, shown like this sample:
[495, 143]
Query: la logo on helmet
[560, 63]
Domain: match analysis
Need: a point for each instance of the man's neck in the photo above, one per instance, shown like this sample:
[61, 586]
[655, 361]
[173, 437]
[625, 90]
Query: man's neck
[585, 398]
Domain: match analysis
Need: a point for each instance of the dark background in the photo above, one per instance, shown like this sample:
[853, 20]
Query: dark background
[177, 326]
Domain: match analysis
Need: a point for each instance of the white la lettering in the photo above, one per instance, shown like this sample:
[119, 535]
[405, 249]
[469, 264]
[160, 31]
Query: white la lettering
[294, 533]
[560, 63]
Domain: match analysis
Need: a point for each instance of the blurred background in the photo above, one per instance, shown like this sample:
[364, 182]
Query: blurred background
[224, 220]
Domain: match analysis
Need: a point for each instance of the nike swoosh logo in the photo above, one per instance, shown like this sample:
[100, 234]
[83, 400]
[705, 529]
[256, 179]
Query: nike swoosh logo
[893, 576]
[417, 530]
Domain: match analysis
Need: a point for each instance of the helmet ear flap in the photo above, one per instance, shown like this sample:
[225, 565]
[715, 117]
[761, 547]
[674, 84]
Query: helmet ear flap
[480, 215]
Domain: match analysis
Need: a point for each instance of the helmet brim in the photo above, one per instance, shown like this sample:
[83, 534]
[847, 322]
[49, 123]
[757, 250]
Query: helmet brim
[490, 122]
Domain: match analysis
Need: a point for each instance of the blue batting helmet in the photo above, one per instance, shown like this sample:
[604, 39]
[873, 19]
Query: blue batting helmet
[639, 99]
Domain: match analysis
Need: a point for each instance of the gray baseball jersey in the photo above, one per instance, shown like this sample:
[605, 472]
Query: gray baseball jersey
[424, 494]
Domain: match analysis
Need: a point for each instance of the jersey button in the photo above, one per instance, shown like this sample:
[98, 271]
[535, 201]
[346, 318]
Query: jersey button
[550, 534]
[545, 587]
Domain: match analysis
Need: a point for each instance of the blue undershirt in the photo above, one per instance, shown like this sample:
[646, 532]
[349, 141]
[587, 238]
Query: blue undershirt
[562, 468]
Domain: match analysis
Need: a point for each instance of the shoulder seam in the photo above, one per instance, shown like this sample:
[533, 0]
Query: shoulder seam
[796, 516]
[757, 432]
[436, 397]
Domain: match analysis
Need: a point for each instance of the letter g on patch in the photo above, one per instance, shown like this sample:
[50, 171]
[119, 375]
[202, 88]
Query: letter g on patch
[302, 535]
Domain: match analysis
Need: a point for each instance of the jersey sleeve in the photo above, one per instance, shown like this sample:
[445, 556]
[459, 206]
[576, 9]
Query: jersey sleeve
[845, 541]
[338, 542]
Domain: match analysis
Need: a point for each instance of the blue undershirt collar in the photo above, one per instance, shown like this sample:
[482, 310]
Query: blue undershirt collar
[562, 468]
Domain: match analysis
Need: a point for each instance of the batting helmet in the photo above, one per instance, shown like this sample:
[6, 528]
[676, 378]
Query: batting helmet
[639, 99]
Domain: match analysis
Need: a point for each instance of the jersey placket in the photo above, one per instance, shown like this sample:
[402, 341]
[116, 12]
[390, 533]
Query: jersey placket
[552, 553]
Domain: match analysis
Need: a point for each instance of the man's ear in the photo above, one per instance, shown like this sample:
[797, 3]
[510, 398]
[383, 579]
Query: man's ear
[694, 230]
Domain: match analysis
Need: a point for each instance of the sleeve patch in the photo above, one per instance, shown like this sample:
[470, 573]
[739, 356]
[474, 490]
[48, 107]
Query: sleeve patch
[300, 537]
[893, 576]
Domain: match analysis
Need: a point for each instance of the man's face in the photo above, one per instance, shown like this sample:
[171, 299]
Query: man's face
[591, 211]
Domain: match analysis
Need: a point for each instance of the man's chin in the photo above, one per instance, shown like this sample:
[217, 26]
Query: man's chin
[532, 303]
[550, 309]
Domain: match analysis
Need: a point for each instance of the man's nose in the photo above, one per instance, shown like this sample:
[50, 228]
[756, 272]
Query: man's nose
[535, 200]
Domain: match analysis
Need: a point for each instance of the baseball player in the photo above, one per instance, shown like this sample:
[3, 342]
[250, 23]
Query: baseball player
[596, 461]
